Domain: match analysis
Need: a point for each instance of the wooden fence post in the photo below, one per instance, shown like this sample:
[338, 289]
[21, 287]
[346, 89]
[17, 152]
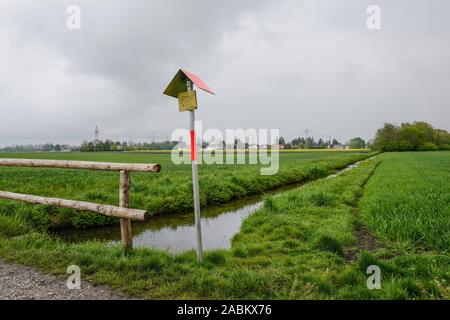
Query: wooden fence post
[122, 211]
[124, 201]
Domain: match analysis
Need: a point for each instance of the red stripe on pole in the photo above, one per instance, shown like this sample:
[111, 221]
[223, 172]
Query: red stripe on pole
[193, 146]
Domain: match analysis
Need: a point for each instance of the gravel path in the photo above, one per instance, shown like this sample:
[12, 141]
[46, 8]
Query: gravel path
[18, 282]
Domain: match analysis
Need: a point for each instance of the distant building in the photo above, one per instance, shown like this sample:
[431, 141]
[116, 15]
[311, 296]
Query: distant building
[181, 147]
[278, 146]
[339, 146]
[96, 141]
[96, 134]
[214, 147]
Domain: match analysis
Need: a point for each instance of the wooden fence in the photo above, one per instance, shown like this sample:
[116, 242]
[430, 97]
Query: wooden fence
[123, 211]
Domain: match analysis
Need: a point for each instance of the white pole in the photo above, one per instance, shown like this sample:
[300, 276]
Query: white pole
[198, 227]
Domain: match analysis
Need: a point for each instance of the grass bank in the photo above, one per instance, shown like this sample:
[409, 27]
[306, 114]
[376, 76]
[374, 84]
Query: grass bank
[408, 200]
[295, 247]
[289, 249]
[163, 193]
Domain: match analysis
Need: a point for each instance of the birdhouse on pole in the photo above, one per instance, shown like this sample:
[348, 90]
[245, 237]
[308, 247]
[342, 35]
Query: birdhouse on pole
[178, 88]
[178, 83]
[181, 87]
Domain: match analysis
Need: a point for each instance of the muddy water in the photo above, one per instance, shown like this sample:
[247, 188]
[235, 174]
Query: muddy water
[176, 232]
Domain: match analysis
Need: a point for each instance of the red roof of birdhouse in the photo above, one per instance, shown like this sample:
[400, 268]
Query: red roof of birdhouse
[178, 83]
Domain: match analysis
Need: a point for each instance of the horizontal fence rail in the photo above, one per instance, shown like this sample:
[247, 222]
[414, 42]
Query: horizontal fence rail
[107, 210]
[105, 166]
[122, 211]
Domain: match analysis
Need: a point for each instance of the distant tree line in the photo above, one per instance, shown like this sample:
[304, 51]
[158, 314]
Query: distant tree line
[109, 145]
[417, 136]
[306, 143]
[47, 147]
[357, 143]
[311, 143]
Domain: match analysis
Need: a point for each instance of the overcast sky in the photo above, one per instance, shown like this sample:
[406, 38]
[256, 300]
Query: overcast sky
[273, 64]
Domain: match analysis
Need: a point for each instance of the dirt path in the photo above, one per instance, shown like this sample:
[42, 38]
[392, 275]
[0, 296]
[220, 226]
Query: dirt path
[18, 282]
[365, 239]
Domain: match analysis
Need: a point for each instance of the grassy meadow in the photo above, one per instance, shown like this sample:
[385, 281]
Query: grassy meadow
[408, 201]
[314, 242]
[169, 191]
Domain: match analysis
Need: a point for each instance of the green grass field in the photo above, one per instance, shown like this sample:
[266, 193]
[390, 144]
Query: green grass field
[169, 191]
[314, 242]
[409, 200]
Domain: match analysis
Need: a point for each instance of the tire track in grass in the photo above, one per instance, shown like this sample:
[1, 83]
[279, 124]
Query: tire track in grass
[365, 240]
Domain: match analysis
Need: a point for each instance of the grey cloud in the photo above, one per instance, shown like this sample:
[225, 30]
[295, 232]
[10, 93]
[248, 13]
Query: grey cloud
[274, 64]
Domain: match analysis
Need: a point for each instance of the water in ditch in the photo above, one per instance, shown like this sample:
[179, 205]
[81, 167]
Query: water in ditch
[176, 232]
